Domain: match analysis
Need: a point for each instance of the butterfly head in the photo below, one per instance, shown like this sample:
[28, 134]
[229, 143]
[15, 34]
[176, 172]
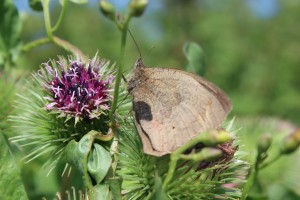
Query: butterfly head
[139, 64]
[137, 74]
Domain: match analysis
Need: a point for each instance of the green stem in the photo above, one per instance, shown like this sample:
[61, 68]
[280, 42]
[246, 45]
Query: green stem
[45, 4]
[35, 43]
[69, 47]
[254, 173]
[270, 162]
[172, 166]
[173, 161]
[59, 42]
[119, 72]
[62, 15]
[248, 184]
[251, 178]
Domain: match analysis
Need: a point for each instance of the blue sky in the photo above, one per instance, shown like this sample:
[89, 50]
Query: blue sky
[119, 4]
[260, 8]
[264, 8]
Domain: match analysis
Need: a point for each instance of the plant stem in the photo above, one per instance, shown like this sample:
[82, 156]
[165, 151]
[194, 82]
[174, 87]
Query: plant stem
[35, 43]
[59, 42]
[248, 184]
[119, 72]
[251, 178]
[61, 16]
[47, 19]
[270, 162]
[254, 173]
[172, 166]
[51, 38]
[69, 47]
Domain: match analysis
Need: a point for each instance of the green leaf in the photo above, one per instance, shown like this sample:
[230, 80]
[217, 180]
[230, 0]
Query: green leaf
[10, 28]
[73, 156]
[99, 162]
[77, 152]
[36, 5]
[195, 58]
[10, 180]
[100, 192]
[158, 192]
[115, 187]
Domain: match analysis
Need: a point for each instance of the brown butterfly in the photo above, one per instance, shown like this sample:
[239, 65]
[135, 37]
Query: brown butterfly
[173, 106]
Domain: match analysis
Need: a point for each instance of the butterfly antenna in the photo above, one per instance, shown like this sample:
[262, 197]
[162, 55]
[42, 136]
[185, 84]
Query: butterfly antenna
[135, 43]
[124, 78]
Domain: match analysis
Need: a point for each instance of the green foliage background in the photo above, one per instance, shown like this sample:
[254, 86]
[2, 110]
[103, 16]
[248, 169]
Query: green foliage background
[255, 60]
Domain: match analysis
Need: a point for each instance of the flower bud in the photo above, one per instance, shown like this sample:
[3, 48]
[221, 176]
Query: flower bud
[207, 153]
[36, 5]
[264, 143]
[107, 9]
[210, 154]
[223, 136]
[290, 143]
[137, 7]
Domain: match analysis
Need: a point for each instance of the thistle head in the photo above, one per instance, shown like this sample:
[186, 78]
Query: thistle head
[60, 93]
[75, 88]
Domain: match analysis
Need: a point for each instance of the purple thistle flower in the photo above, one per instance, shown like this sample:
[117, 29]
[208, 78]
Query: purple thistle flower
[76, 88]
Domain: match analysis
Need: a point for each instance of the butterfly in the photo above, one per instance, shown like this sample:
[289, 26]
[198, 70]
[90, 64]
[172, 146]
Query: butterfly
[172, 106]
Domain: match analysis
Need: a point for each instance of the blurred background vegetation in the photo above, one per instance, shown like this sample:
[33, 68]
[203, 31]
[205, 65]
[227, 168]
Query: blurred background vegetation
[252, 46]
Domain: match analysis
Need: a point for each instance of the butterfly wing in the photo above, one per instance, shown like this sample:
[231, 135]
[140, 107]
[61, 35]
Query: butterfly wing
[172, 106]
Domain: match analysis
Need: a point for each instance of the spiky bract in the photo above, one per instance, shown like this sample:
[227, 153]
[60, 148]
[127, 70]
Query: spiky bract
[8, 82]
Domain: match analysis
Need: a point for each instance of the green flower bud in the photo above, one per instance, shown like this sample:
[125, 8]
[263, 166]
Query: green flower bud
[137, 7]
[214, 137]
[264, 143]
[36, 5]
[107, 9]
[290, 143]
[207, 153]
[210, 154]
